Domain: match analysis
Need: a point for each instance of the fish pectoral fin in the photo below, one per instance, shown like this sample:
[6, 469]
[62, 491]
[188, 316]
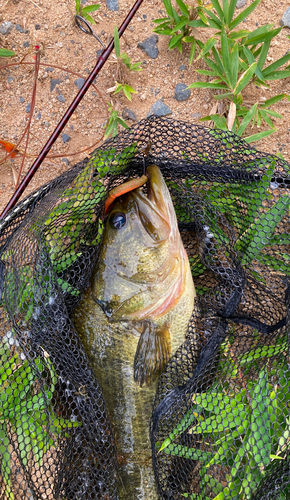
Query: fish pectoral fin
[152, 353]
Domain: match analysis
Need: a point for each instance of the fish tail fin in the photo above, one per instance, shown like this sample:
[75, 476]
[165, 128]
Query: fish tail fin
[152, 353]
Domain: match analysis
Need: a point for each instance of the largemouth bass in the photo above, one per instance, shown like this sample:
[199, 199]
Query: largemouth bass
[133, 318]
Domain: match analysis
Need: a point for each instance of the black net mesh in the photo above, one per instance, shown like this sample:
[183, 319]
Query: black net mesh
[220, 426]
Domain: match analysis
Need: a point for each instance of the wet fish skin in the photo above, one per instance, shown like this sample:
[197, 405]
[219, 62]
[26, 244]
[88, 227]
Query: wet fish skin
[133, 318]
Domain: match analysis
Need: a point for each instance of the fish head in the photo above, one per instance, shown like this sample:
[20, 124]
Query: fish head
[140, 251]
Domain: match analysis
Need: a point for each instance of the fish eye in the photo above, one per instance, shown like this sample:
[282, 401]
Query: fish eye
[118, 220]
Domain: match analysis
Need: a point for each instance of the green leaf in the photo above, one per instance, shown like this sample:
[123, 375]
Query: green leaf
[259, 136]
[277, 75]
[226, 59]
[266, 118]
[272, 113]
[245, 78]
[169, 8]
[183, 7]
[206, 48]
[249, 116]
[251, 59]
[7, 53]
[205, 85]
[91, 8]
[263, 54]
[234, 63]
[219, 121]
[273, 100]
[232, 7]
[275, 65]
[245, 13]
[263, 37]
[117, 41]
[218, 9]
[192, 53]
[226, 11]
[179, 26]
[89, 18]
[175, 40]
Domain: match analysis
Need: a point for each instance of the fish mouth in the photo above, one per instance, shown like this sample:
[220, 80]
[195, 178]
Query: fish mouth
[105, 306]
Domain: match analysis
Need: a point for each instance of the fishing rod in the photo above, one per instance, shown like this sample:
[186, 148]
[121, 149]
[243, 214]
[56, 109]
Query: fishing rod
[100, 63]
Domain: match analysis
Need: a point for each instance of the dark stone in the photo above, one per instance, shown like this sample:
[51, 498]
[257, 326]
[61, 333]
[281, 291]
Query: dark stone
[159, 109]
[60, 98]
[22, 100]
[19, 28]
[285, 21]
[112, 5]
[38, 116]
[99, 52]
[182, 93]
[129, 114]
[6, 27]
[87, 71]
[37, 27]
[27, 108]
[10, 79]
[240, 4]
[65, 160]
[197, 116]
[157, 91]
[79, 82]
[26, 44]
[65, 138]
[54, 82]
[49, 70]
[149, 46]
[144, 16]
[71, 127]
[182, 67]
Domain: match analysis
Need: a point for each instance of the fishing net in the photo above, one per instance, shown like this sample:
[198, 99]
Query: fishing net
[220, 426]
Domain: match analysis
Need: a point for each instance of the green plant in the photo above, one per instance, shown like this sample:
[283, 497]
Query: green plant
[182, 27]
[113, 121]
[239, 61]
[7, 53]
[84, 11]
[124, 58]
[24, 406]
[242, 430]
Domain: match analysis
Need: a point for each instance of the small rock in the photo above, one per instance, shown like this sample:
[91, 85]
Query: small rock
[197, 116]
[144, 16]
[54, 82]
[65, 160]
[182, 67]
[99, 52]
[71, 127]
[87, 71]
[60, 98]
[10, 79]
[79, 82]
[19, 28]
[65, 138]
[22, 100]
[6, 27]
[129, 114]
[112, 4]
[46, 123]
[240, 4]
[285, 21]
[159, 109]
[149, 46]
[72, 41]
[49, 70]
[131, 28]
[157, 91]
[38, 116]
[182, 93]
[27, 108]
[37, 27]
[26, 44]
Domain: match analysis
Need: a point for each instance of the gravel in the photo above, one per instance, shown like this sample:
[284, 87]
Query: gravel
[79, 82]
[129, 114]
[6, 27]
[27, 108]
[240, 4]
[285, 21]
[181, 92]
[149, 46]
[19, 28]
[159, 109]
[26, 45]
[54, 82]
[22, 100]
[60, 98]
[65, 138]
[10, 79]
[112, 5]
